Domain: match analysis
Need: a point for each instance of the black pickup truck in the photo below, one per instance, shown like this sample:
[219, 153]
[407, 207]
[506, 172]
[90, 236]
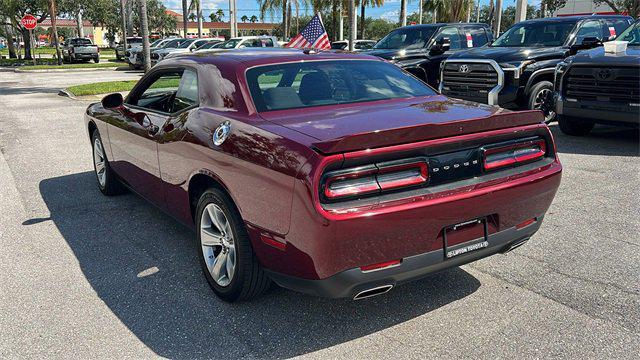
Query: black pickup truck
[420, 49]
[516, 71]
[599, 87]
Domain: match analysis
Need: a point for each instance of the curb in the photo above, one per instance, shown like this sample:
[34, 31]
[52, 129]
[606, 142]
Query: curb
[107, 68]
[67, 93]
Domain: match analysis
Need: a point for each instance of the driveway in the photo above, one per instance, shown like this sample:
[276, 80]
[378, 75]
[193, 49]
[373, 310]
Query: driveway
[86, 276]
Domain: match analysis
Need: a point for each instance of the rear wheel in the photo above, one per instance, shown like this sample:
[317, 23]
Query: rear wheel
[227, 259]
[573, 127]
[96, 60]
[107, 181]
[541, 98]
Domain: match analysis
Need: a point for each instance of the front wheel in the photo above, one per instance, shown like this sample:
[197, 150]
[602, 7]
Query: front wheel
[573, 127]
[541, 98]
[226, 256]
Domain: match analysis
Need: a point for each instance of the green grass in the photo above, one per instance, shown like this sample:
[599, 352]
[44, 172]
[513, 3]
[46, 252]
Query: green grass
[110, 64]
[102, 87]
[107, 87]
[50, 50]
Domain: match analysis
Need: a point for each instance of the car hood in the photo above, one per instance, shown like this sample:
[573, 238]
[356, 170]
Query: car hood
[511, 54]
[598, 56]
[393, 53]
[388, 122]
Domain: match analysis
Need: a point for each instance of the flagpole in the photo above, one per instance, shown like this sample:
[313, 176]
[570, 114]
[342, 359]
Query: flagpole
[352, 28]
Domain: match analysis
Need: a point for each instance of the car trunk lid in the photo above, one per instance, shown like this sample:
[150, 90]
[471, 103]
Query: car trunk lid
[343, 128]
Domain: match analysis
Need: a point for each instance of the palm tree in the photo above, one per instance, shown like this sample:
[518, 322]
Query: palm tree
[403, 12]
[185, 9]
[363, 4]
[144, 24]
[213, 17]
[271, 6]
[352, 30]
[253, 19]
[192, 17]
[448, 10]
[244, 18]
[196, 6]
[220, 14]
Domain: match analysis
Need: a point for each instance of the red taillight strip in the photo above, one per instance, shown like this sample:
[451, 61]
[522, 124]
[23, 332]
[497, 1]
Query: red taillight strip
[380, 266]
[420, 177]
[511, 155]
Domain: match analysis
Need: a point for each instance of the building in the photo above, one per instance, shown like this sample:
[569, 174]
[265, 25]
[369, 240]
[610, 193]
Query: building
[583, 7]
[213, 29]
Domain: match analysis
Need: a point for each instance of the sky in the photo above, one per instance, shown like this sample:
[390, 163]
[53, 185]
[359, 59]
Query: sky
[389, 11]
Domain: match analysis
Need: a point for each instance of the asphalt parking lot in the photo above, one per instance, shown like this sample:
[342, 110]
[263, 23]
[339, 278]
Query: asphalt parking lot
[86, 276]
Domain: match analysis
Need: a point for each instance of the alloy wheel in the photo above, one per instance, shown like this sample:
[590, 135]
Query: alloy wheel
[543, 102]
[218, 246]
[100, 162]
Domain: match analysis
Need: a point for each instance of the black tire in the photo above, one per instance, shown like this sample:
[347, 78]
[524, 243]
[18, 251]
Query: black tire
[96, 60]
[119, 58]
[574, 127]
[248, 280]
[112, 185]
[542, 89]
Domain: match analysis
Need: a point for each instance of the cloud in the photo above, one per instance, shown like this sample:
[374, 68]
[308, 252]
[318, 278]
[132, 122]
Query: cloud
[391, 15]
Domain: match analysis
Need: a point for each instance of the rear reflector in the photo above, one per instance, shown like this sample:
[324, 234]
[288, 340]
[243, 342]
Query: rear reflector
[272, 242]
[514, 154]
[525, 223]
[380, 266]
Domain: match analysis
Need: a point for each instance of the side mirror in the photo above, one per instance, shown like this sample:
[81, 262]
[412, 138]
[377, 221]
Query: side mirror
[441, 46]
[112, 101]
[587, 43]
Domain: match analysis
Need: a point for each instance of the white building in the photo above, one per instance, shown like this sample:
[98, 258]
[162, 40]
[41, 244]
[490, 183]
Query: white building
[583, 7]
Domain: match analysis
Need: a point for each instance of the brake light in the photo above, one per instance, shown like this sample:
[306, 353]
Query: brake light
[513, 154]
[375, 178]
[98, 50]
[380, 266]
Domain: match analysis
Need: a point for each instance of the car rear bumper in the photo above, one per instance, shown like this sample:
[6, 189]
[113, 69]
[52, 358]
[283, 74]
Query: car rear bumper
[352, 282]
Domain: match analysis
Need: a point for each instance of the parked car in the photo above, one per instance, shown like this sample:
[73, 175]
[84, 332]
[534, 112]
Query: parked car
[334, 174]
[134, 54]
[420, 49]
[82, 49]
[132, 42]
[358, 45]
[516, 70]
[596, 87]
[210, 45]
[248, 41]
[159, 54]
[194, 46]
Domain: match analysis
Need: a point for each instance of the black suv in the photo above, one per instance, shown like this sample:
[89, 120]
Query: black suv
[598, 87]
[420, 49]
[516, 71]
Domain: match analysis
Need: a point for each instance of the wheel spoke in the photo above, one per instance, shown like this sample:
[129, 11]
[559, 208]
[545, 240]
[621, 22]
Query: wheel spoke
[219, 266]
[100, 167]
[231, 263]
[210, 238]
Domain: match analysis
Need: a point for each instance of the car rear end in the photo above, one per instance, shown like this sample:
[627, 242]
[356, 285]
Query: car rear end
[365, 221]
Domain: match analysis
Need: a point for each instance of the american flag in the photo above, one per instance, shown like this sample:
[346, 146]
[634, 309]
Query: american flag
[312, 36]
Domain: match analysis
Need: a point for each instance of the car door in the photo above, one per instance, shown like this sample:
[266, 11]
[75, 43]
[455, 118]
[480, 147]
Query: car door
[134, 133]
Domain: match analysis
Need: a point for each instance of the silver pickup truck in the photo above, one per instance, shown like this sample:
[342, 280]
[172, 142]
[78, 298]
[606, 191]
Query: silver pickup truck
[75, 49]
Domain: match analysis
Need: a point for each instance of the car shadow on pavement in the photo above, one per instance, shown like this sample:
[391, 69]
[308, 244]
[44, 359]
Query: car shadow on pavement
[143, 265]
[603, 140]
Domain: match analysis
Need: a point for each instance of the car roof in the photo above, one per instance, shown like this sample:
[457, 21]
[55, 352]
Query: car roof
[419, 26]
[263, 56]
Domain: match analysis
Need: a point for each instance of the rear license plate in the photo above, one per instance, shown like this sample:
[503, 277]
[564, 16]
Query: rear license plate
[465, 237]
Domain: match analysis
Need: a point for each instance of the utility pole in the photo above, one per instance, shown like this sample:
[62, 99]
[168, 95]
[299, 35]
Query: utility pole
[478, 12]
[498, 16]
[420, 12]
[403, 12]
[144, 24]
[54, 29]
[233, 21]
[341, 24]
[521, 10]
[124, 24]
[199, 14]
[352, 23]
[79, 23]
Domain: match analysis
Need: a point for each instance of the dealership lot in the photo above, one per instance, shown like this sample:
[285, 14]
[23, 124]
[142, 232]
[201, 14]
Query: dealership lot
[104, 277]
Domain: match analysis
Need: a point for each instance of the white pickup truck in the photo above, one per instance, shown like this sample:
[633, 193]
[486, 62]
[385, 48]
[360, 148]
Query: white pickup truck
[75, 49]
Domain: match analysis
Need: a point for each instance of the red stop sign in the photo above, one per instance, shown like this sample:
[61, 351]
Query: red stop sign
[29, 22]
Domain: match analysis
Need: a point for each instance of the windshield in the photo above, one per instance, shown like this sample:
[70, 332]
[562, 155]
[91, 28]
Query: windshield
[80, 42]
[406, 38]
[208, 45]
[229, 44]
[632, 35]
[339, 45]
[185, 44]
[306, 84]
[134, 40]
[156, 43]
[536, 34]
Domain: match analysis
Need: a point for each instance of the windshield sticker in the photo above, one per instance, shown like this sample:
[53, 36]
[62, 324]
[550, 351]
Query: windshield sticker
[469, 40]
[612, 31]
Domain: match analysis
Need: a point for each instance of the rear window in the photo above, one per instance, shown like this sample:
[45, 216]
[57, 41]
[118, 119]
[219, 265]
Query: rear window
[316, 83]
[80, 42]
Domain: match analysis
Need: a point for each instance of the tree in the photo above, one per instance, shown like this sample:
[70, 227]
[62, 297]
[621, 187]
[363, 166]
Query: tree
[54, 29]
[12, 11]
[363, 4]
[352, 23]
[254, 19]
[631, 7]
[220, 14]
[244, 18]
[196, 6]
[551, 6]
[403, 12]
[271, 6]
[185, 10]
[449, 10]
[144, 24]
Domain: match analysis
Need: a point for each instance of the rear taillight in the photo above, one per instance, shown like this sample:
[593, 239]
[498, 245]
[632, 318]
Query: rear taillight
[375, 178]
[513, 154]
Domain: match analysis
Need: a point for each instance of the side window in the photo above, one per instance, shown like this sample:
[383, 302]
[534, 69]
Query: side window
[614, 27]
[267, 42]
[187, 93]
[453, 35]
[474, 37]
[363, 45]
[170, 91]
[590, 28]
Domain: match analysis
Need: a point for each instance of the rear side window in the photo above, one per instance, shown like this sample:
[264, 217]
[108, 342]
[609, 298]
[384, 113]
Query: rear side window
[169, 91]
[453, 35]
[615, 27]
[474, 37]
[316, 83]
[80, 42]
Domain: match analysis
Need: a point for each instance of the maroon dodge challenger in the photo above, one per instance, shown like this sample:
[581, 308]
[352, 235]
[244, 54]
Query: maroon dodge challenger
[332, 174]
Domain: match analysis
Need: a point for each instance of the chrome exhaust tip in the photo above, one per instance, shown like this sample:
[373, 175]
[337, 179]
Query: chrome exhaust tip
[515, 245]
[378, 290]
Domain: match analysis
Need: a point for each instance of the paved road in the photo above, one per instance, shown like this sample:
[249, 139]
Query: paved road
[87, 276]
